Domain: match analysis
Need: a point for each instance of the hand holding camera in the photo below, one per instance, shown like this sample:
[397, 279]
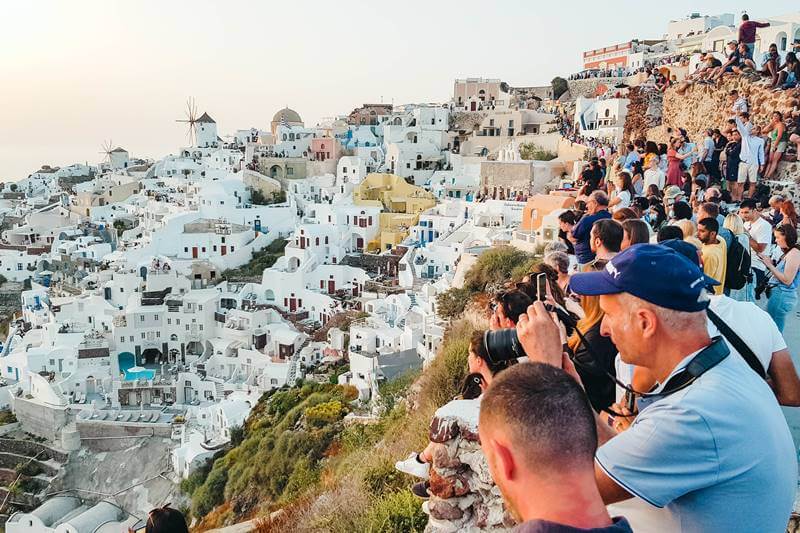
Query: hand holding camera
[539, 335]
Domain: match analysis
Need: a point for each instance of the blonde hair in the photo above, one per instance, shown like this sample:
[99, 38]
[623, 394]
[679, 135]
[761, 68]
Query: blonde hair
[687, 227]
[592, 315]
[734, 223]
[694, 241]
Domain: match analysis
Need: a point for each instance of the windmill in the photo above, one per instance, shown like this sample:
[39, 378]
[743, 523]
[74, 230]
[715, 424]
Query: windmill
[191, 119]
[106, 148]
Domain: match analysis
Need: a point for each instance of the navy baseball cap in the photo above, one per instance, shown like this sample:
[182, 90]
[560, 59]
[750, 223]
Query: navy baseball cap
[656, 274]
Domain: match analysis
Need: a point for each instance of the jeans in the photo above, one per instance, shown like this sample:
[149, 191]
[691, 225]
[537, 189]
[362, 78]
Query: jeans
[780, 304]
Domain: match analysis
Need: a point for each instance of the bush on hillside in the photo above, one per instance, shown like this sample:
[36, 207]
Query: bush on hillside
[530, 151]
[397, 511]
[494, 268]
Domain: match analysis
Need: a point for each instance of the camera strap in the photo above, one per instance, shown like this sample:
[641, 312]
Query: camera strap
[705, 360]
[738, 343]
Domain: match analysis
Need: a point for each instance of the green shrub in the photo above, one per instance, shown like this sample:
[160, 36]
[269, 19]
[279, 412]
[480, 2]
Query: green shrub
[383, 478]
[196, 478]
[452, 302]
[212, 492]
[397, 511]
[325, 413]
[494, 267]
[530, 151]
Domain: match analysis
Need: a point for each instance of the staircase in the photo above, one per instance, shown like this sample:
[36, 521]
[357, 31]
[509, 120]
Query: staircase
[220, 388]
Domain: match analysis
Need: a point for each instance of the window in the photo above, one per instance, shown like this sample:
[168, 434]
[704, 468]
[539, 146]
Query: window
[185, 248]
[290, 171]
[204, 249]
[131, 337]
[187, 327]
[177, 321]
[158, 334]
[169, 321]
[214, 248]
[233, 248]
[199, 307]
[53, 361]
[121, 339]
[143, 335]
[201, 327]
[141, 318]
[223, 240]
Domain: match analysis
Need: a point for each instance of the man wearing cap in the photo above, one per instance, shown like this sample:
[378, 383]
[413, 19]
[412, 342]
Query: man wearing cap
[710, 445]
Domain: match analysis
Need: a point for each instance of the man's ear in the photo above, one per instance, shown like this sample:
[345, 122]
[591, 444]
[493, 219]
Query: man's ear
[646, 321]
[504, 459]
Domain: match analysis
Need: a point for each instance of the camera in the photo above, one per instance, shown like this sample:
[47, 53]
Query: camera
[503, 345]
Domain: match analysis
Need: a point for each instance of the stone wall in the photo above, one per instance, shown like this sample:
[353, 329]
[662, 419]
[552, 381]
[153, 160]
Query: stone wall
[112, 436]
[645, 111]
[706, 106]
[29, 448]
[463, 496]
[41, 420]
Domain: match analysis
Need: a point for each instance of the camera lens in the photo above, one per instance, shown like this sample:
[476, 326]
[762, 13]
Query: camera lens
[503, 345]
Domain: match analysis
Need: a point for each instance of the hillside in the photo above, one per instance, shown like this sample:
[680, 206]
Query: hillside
[299, 461]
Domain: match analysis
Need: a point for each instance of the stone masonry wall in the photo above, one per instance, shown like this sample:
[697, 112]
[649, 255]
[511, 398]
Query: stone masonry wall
[703, 106]
[463, 496]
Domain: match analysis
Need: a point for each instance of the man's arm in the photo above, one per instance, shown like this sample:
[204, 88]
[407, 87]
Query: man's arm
[783, 378]
[610, 491]
[760, 154]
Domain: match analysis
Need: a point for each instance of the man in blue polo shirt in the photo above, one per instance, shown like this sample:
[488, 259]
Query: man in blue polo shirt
[710, 445]
[596, 209]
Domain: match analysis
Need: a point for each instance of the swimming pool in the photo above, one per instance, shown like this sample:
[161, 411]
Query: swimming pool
[127, 366]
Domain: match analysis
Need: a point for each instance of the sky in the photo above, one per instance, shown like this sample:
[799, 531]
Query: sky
[74, 74]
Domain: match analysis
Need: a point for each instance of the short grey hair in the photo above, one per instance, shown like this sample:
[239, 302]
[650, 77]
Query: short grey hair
[600, 197]
[558, 260]
[554, 246]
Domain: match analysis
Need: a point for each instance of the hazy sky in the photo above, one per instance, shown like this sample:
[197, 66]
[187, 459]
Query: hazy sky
[75, 73]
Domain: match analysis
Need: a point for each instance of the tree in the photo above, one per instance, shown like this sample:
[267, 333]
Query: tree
[14, 187]
[530, 151]
[452, 302]
[559, 86]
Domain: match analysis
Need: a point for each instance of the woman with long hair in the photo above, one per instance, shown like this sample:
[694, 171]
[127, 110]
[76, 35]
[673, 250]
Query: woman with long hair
[623, 192]
[778, 142]
[650, 153]
[634, 231]
[637, 177]
[674, 160]
[789, 213]
[785, 275]
[593, 365]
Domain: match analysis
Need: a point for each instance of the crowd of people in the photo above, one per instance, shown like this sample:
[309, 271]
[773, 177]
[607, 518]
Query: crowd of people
[644, 389]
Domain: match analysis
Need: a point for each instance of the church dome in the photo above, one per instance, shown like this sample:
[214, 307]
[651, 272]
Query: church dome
[290, 115]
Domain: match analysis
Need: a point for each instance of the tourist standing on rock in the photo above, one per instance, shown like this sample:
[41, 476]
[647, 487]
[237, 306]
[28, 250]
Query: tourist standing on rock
[675, 158]
[747, 32]
[752, 154]
[538, 433]
[732, 152]
[778, 143]
[715, 172]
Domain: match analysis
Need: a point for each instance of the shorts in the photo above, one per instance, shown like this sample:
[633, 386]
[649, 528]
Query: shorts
[747, 172]
[751, 48]
[781, 147]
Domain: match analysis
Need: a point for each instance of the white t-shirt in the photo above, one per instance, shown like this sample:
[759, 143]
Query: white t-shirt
[754, 325]
[654, 177]
[624, 200]
[761, 232]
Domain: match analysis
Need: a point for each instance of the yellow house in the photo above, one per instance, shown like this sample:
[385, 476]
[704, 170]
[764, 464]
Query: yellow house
[400, 202]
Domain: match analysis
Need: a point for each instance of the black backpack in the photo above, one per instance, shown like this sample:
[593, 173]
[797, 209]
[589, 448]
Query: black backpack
[738, 269]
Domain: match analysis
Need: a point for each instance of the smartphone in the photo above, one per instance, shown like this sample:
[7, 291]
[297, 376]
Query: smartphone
[541, 287]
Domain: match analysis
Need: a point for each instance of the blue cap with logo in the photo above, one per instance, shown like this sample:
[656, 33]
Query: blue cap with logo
[654, 273]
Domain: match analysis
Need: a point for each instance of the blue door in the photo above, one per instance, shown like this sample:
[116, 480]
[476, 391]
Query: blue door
[431, 270]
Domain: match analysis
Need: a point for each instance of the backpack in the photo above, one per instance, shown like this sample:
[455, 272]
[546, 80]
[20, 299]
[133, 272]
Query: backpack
[738, 269]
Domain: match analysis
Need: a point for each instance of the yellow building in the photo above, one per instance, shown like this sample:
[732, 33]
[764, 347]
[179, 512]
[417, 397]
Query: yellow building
[400, 202]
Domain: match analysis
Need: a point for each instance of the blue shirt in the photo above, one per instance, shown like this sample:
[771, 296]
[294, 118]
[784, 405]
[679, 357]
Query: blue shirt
[708, 146]
[582, 231]
[717, 455]
[630, 159]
